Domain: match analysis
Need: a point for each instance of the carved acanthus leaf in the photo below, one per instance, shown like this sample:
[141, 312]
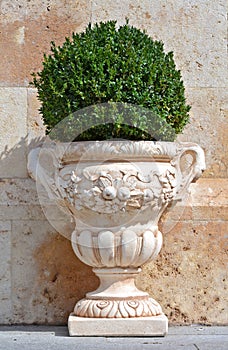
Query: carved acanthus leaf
[117, 308]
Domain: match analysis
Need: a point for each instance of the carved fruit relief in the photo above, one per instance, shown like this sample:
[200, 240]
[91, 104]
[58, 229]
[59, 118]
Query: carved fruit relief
[110, 191]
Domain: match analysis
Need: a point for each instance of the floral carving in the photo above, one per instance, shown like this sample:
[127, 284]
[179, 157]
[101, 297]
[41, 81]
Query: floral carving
[117, 190]
[111, 190]
[168, 182]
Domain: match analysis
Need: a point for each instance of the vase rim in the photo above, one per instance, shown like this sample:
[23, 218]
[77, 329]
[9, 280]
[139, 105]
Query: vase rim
[118, 150]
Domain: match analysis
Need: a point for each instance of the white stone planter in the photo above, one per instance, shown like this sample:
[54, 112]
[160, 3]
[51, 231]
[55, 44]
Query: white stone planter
[117, 191]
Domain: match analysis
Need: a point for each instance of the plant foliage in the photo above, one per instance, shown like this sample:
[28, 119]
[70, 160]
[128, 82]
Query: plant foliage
[106, 64]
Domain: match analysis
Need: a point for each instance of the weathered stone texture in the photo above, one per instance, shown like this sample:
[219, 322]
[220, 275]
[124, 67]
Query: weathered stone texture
[195, 31]
[190, 278]
[207, 201]
[40, 277]
[5, 272]
[45, 280]
[193, 265]
[36, 128]
[13, 131]
[209, 127]
[27, 27]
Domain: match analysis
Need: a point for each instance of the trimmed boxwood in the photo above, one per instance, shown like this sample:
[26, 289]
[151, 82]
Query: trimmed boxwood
[106, 64]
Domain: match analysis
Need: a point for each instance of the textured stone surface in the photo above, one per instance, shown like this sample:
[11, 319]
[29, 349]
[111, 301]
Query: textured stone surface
[209, 127]
[47, 278]
[196, 32]
[27, 27]
[177, 24]
[18, 200]
[207, 201]
[192, 270]
[13, 131]
[5, 272]
[36, 128]
[210, 200]
[190, 278]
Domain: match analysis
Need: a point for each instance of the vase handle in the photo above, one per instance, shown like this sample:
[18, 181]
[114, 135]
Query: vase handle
[190, 164]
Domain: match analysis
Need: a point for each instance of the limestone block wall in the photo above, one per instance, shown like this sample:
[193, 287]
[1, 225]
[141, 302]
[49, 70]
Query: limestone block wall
[40, 278]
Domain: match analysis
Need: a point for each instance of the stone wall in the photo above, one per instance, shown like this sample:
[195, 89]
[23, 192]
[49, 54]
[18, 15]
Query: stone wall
[40, 277]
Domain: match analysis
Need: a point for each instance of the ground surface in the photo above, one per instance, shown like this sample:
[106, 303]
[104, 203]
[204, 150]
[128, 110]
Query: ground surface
[47, 337]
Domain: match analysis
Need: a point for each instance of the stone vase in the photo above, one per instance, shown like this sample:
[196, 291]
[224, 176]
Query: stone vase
[116, 191]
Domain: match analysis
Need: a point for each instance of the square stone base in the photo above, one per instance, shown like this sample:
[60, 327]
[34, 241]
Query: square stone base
[123, 327]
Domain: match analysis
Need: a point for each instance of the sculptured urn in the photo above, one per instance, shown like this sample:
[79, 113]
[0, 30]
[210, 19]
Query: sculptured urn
[116, 192]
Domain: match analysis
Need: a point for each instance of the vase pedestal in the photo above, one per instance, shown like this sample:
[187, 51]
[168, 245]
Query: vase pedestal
[117, 308]
[153, 326]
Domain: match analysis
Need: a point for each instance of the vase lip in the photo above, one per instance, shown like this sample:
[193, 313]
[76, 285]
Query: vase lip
[121, 149]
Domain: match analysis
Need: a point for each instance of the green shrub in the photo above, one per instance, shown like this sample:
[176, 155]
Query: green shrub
[106, 64]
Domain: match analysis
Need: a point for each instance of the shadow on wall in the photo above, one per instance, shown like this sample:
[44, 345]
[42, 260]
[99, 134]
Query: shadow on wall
[13, 160]
[47, 277]
[64, 279]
